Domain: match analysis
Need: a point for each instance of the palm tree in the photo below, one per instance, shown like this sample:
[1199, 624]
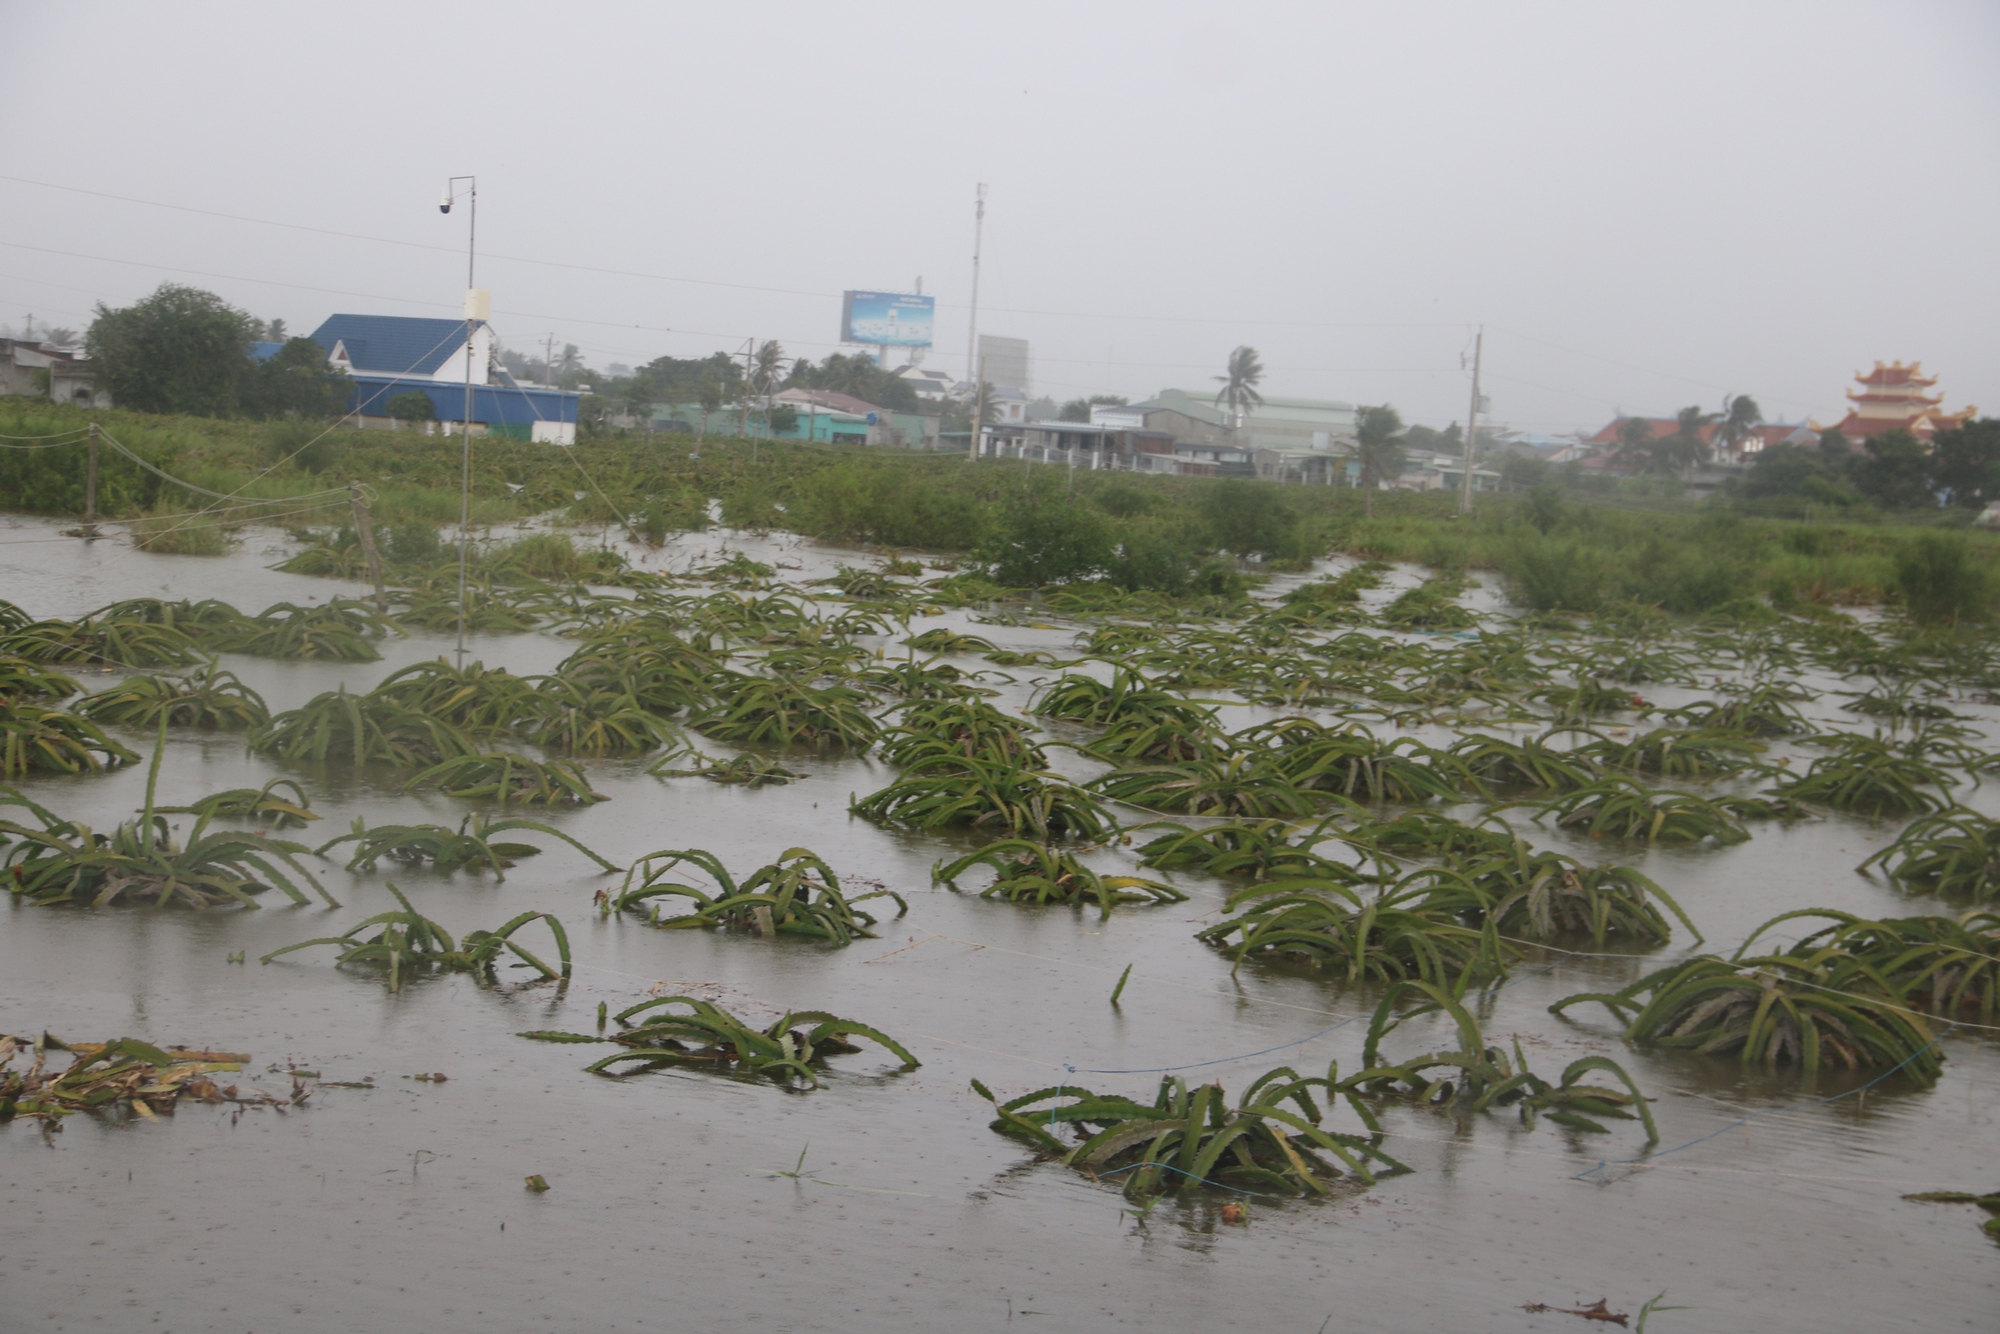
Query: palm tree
[1740, 419]
[1378, 446]
[1685, 447]
[1239, 385]
[767, 369]
[569, 362]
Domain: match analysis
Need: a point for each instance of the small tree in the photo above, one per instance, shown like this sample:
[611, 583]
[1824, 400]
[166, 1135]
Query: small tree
[1895, 472]
[412, 406]
[179, 350]
[709, 396]
[1378, 447]
[293, 382]
[1965, 462]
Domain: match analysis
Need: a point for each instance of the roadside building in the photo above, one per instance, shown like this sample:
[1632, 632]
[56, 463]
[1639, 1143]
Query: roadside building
[1152, 415]
[45, 370]
[387, 355]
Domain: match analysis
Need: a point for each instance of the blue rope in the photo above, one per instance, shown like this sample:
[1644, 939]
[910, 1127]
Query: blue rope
[1599, 1170]
[1220, 1060]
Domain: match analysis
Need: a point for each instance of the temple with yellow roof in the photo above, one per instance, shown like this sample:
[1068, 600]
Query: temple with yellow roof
[1892, 398]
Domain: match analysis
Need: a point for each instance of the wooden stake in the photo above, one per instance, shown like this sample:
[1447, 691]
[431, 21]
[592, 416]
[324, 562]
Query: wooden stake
[90, 488]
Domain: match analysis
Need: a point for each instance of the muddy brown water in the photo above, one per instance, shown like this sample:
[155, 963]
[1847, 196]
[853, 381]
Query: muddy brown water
[403, 1205]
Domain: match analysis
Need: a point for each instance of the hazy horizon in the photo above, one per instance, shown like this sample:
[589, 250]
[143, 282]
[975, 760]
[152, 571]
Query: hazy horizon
[1644, 209]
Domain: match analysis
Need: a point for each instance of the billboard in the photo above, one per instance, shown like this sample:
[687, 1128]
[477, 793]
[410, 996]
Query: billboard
[887, 319]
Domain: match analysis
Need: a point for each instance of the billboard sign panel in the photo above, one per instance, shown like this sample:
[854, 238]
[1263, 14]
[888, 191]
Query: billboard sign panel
[887, 319]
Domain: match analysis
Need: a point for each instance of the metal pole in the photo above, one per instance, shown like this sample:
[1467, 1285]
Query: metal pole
[1472, 423]
[90, 488]
[465, 422]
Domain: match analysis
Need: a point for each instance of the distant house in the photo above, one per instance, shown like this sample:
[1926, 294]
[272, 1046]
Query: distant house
[933, 386]
[44, 370]
[387, 355]
[1761, 437]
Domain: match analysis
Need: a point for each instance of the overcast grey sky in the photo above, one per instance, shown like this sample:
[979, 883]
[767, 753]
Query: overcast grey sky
[1648, 205]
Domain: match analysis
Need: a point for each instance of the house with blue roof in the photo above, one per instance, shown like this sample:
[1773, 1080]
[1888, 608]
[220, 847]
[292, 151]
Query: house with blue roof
[387, 355]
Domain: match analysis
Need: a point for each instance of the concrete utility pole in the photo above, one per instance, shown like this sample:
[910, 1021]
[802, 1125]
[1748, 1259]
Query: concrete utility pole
[978, 409]
[975, 365]
[1472, 423]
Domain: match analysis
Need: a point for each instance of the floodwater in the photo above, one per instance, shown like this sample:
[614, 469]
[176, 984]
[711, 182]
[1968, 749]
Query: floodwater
[402, 1206]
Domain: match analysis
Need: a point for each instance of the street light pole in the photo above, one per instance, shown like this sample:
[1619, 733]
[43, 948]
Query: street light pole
[465, 421]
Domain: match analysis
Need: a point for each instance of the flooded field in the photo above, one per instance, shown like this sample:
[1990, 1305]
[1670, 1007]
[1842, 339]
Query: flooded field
[682, 1199]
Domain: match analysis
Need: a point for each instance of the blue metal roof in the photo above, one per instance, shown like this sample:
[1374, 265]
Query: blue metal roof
[392, 344]
[264, 351]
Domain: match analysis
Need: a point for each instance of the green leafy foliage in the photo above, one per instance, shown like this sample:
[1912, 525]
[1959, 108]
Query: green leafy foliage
[993, 796]
[66, 861]
[1029, 872]
[1954, 853]
[474, 845]
[408, 944]
[34, 740]
[506, 777]
[1272, 1142]
[797, 895]
[212, 699]
[1330, 922]
[682, 1031]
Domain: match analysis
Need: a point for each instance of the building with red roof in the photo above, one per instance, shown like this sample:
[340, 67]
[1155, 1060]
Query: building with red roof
[1892, 398]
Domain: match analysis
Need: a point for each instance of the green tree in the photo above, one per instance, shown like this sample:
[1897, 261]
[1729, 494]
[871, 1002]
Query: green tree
[1740, 418]
[1685, 448]
[709, 395]
[411, 406]
[859, 376]
[1078, 409]
[179, 350]
[1894, 472]
[295, 381]
[767, 372]
[1239, 380]
[1965, 462]
[1635, 443]
[1378, 447]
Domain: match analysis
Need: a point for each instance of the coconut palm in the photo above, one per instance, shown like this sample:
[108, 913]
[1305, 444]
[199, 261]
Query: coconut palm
[767, 372]
[1239, 385]
[1682, 450]
[1378, 448]
[1740, 418]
